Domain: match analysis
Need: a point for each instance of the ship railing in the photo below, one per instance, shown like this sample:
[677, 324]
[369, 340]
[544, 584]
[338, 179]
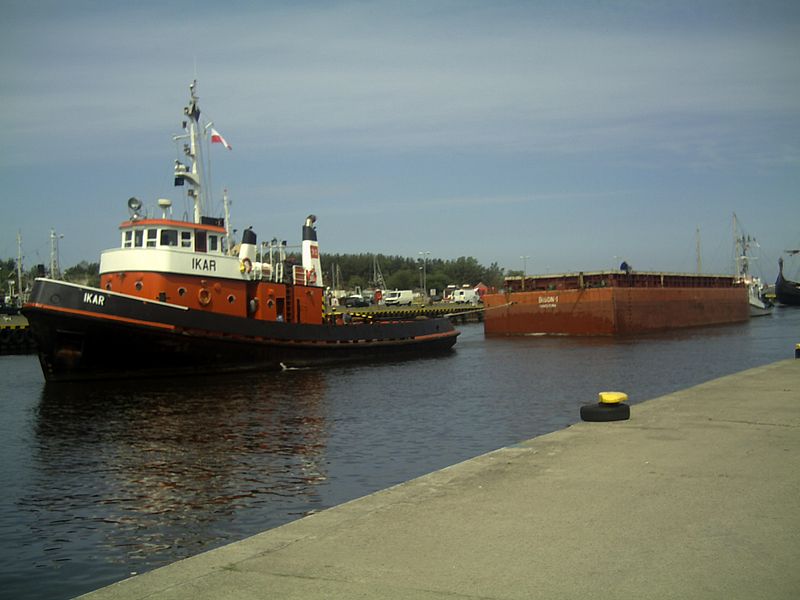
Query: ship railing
[299, 275]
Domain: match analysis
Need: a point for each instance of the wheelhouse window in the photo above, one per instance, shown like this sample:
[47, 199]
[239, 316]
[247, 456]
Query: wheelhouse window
[186, 239]
[152, 236]
[127, 239]
[138, 238]
[169, 237]
[213, 243]
[200, 241]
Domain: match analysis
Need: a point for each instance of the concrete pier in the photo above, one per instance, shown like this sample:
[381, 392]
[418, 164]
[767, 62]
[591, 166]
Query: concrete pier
[696, 496]
[457, 313]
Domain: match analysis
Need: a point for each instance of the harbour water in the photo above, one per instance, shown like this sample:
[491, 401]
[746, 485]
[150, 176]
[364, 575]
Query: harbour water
[101, 481]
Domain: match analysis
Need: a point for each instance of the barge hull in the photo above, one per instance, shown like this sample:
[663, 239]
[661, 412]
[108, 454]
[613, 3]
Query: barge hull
[612, 310]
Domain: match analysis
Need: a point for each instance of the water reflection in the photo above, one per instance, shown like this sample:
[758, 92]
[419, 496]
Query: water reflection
[103, 480]
[162, 470]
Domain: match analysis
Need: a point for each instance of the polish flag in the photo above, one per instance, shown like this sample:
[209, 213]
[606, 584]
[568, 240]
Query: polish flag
[216, 138]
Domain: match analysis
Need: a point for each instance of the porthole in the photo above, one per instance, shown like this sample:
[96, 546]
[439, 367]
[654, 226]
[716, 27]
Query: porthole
[231, 299]
[108, 285]
[181, 291]
[138, 285]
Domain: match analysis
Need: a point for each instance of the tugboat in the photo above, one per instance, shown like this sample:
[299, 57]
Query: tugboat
[175, 299]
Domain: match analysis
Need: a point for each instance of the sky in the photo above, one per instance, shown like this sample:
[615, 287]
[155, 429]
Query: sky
[573, 134]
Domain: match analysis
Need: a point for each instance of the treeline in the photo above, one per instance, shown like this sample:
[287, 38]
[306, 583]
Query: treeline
[349, 271]
[84, 273]
[8, 272]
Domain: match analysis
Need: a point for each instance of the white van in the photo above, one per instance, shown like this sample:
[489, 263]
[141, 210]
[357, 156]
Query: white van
[466, 296]
[398, 298]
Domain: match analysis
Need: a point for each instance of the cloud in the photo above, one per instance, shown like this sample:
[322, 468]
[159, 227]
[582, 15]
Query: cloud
[548, 113]
[357, 76]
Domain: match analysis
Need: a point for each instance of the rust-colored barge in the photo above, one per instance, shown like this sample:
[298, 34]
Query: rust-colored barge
[613, 303]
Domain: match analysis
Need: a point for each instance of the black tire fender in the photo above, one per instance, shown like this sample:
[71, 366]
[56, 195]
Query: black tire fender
[601, 413]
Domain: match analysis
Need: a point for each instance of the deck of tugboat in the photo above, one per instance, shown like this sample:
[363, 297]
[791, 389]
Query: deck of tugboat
[694, 497]
[92, 303]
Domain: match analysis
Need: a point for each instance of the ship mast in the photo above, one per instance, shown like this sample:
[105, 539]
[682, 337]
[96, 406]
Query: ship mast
[227, 206]
[742, 245]
[697, 250]
[739, 250]
[193, 149]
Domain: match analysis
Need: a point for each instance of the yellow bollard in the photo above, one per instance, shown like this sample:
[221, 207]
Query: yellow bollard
[612, 397]
[611, 407]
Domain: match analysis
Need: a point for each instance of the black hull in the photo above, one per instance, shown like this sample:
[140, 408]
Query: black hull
[786, 291]
[86, 333]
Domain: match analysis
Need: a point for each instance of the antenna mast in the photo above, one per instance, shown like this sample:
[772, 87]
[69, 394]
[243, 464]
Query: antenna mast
[19, 265]
[226, 205]
[699, 256]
